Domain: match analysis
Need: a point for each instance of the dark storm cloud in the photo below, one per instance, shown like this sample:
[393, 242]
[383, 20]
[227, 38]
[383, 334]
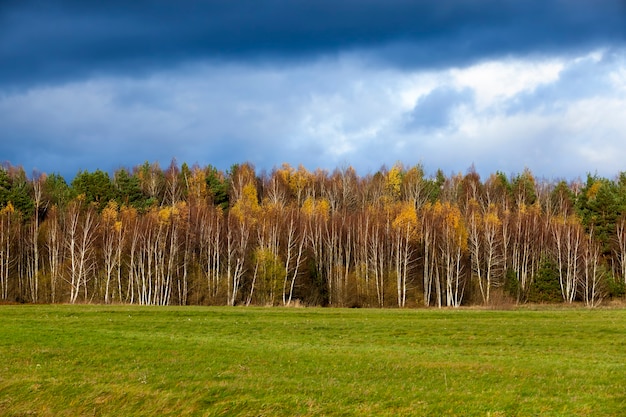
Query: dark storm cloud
[56, 41]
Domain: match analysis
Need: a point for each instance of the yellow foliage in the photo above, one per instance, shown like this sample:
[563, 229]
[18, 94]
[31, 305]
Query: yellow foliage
[394, 181]
[593, 190]
[128, 214]
[110, 212]
[452, 216]
[267, 257]
[492, 219]
[181, 211]
[473, 206]
[165, 214]
[437, 208]
[311, 207]
[299, 179]
[308, 207]
[173, 213]
[196, 184]
[461, 235]
[322, 208]
[453, 224]
[8, 209]
[270, 206]
[249, 197]
[285, 172]
[407, 217]
[573, 221]
[247, 207]
[181, 207]
[237, 212]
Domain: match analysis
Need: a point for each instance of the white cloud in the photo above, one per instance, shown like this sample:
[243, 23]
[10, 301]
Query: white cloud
[495, 81]
[330, 113]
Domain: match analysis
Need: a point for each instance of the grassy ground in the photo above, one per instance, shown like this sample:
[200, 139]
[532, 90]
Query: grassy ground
[122, 361]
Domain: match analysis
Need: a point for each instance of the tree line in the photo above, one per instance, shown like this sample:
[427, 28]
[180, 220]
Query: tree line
[197, 235]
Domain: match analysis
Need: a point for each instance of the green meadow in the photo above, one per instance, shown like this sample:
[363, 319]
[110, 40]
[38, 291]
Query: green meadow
[198, 361]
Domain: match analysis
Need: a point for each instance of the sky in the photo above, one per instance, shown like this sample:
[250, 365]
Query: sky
[501, 85]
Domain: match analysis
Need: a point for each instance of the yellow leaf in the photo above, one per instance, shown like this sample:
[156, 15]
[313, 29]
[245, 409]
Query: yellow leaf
[8, 209]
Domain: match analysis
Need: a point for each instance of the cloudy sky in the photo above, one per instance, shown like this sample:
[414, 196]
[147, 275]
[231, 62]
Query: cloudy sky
[501, 84]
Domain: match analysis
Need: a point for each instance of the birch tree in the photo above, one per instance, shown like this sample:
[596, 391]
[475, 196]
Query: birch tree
[452, 244]
[430, 275]
[242, 218]
[567, 233]
[484, 246]
[591, 284]
[620, 236]
[112, 241]
[53, 238]
[295, 256]
[7, 257]
[405, 227]
[80, 224]
[38, 202]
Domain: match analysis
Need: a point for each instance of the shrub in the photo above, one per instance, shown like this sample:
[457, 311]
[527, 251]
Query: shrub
[546, 287]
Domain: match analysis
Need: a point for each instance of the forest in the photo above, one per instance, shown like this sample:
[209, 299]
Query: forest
[196, 235]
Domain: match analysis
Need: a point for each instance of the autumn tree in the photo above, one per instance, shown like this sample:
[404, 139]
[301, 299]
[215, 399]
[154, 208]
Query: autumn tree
[620, 246]
[240, 177]
[416, 188]
[196, 187]
[405, 231]
[54, 247]
[152, 182]
[593, 272]
[393, 183]
[316, 215]
[497, 191]
[80, 225]
[199, 235]
[242, 219]
[210, 228]
[8, 221]
[525, 239]
[111, 248]
[568, 237]
[429, 219]
[174, 187]
[132, 233]
[299, 183]
[294, 246]
[470, 190]
[268, 272]
[523, 189]
[38, 209]
[452, 247]
[484, 240]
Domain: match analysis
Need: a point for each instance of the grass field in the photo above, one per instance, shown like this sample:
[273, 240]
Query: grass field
[131, 361]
